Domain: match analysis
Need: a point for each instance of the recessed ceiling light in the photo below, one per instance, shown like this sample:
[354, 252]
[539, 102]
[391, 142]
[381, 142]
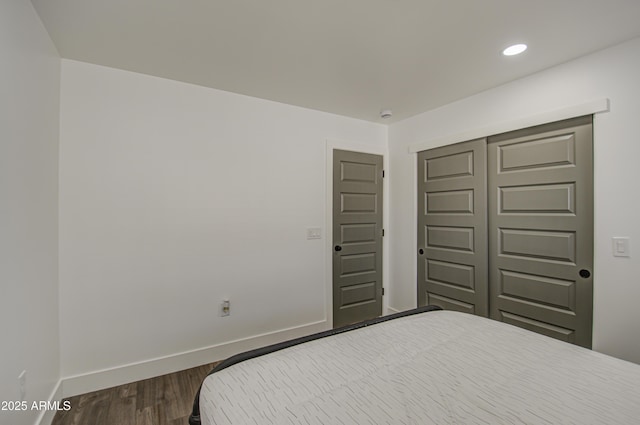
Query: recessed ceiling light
[516, 49]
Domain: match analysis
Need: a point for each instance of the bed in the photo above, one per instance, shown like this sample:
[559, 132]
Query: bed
[425, 366]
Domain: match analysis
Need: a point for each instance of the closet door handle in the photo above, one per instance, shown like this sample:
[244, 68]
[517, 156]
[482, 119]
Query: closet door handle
[584, 273]
[338, 248]
[421, 251]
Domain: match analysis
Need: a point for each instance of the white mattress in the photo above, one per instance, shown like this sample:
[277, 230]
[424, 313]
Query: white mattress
[438, 367]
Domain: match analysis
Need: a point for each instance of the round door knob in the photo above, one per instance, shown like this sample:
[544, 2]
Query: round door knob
[338, 248]
[421, 251]
[584, 273]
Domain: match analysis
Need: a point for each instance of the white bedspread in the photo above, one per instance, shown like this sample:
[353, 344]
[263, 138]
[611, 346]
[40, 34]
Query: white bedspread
[438, 367]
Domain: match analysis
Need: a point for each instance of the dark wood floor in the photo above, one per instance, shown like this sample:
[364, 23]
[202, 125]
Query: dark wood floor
[165, 400]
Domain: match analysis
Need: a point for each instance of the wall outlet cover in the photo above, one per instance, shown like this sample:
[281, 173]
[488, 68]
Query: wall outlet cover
[225, 308]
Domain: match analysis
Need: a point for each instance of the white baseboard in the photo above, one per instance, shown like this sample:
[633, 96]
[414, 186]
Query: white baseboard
[46, 416]
[107, 378]
[391, 310]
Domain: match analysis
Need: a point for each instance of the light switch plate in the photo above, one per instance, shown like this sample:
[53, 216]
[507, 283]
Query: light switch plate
[314, 233]
[621, 247]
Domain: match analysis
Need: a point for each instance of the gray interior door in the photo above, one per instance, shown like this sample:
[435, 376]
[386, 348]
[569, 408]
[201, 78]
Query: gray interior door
[541, 220]
[452, 227]
[357, 237]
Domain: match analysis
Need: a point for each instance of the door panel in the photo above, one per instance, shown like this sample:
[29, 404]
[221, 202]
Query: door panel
[541, 219]
[358, 203]
[358, 233]
[451, 202]
[357, 264]
[450, 237]
[543, 328]
[558, 293]
[357, 237]
[358, 294]
[452, 268]
[448, 166]
[541, 152]
[550, 199]
[559, 246]
[450, 274]
[449, 303]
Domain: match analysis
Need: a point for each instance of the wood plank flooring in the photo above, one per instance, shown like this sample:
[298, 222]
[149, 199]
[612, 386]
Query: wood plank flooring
[164, 400]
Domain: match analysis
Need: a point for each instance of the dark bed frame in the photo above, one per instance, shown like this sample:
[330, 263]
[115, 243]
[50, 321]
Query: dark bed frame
[194, 419]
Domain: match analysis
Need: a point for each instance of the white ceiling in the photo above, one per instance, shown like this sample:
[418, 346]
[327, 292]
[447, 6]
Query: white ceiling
[348, 57]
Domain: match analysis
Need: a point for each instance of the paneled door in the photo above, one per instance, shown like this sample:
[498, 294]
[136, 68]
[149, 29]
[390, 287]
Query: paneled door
[452, 227]
[541, 229]
[357, 236]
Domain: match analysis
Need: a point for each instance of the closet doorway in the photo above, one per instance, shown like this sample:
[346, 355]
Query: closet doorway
[531, 263]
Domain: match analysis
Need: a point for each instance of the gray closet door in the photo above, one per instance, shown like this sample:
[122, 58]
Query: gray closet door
[357, 237]
[541, 221]
[452, 227]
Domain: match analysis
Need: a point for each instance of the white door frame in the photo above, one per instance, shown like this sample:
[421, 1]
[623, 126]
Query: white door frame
[332, 144]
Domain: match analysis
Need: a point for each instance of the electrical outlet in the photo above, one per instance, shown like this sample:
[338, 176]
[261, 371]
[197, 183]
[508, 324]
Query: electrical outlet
[22, 380]
[225, 308]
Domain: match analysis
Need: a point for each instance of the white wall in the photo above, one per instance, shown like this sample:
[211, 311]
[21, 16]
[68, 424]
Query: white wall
[174, 197]
[613, 74]
[29, 107]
